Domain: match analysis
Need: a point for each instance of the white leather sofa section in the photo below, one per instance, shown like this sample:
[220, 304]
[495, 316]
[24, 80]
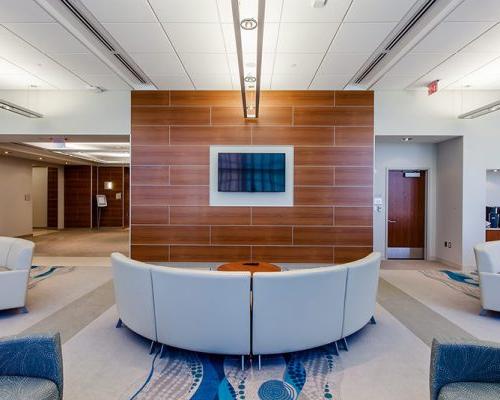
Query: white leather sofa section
[297, 310]
[361, 293]
[488, 265]
[134, 295]
[204, 311]
[16, 256]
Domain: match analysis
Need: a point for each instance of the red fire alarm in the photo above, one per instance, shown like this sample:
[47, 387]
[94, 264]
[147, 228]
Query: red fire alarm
[432, 87]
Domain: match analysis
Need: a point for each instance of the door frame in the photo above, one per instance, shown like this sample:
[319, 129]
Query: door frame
[428, 173]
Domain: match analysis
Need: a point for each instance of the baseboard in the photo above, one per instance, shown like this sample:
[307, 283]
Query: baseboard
[449, 263]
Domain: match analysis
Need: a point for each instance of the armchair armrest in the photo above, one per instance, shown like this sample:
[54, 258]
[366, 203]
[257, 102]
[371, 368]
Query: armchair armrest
[36, 356]
[463, 362]
[490, 290]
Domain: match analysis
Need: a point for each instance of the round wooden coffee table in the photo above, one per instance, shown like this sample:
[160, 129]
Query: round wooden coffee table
[249, 266]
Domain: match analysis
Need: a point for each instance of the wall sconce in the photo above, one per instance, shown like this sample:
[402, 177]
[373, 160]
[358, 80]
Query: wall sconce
[108, 185]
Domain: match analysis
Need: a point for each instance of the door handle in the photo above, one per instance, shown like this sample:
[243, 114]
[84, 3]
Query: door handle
[391, 221]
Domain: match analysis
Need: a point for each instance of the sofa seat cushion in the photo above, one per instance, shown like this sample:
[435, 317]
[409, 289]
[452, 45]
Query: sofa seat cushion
[22, 388]
[470, 391]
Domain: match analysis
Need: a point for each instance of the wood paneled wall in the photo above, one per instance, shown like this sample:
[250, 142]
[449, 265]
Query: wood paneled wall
[113, 214]
[332, 134]
[77, 192]
[52, 197]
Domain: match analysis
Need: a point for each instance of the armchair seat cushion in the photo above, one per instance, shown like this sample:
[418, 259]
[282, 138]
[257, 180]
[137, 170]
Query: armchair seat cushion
[23, 387]
[470, 391]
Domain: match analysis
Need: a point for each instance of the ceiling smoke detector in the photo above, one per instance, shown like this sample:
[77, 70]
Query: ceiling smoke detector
[248, 24]
[318, 3]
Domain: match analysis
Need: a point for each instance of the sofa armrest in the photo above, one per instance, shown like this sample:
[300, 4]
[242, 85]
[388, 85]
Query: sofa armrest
[36, 356]
[490, 290]
[13, 288]
[463, 362]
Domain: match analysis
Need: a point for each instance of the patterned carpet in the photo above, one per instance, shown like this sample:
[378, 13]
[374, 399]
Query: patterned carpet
[40, 273]
[468, 284]
[182, 375]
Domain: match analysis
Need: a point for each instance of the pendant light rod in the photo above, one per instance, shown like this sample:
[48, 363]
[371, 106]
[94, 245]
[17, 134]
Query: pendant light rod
[239, 50]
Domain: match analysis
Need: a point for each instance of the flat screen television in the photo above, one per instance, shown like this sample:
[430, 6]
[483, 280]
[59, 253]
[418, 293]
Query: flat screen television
[251, 172]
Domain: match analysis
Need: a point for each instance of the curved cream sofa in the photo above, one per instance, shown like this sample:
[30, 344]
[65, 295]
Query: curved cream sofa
[211, 311]
[488, 265]
[16, 256]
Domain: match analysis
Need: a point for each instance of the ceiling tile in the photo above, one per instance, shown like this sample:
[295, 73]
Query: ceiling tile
[158, 63]
[267, 62]
[180, 82]
[330, 82]
[22, 81]
[108, 82]
[120, 10]
[361, 37]
[205, 63]
[249, 38]
[83, 64]
[297, 64]
[487, 42]
[303, 11]
[476, 10]
[212, 81]
[290, 82]
[48, 37]
[248, 9]
[196, 38]
[342, 63]
[417, 63]
[449, 37]
[185, 10]
[305, 37]
[374, 11]
[140, 37]
[394, 82]
[22, 11]
[8, 68]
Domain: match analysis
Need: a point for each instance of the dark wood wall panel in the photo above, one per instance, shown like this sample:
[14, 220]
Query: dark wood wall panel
[332, 135]
[77, 196]
[52, 197]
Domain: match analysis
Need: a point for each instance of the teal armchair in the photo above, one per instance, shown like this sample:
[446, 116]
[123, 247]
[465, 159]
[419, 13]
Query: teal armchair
[31, 368]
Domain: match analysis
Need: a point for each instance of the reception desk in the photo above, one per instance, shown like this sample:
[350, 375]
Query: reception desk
[492, 234]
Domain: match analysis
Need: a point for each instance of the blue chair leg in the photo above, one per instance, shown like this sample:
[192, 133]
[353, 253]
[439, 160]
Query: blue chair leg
[163, 351]
[373, 321]
[23, 310]
[152, 347]
[119, 324]
[344, 344]
[483, 312]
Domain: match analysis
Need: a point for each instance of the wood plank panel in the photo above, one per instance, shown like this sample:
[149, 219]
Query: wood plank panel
[354, 136]
[315, 176]
[170, 155]
[169, 195]
[170, 115]
[210, 215]
[112, 215]
[353, 116]
[163, 234]
[349, 254]
[310, 136]
[330, 236]
[52, 197]
[77, 196]
[150, 215]
[353, 216]
[151, 253]
[268, 116]
[227, 98]
[314, 116]
[297, 98]
[150, 135]
[189, 175]
[152, 175]
[292, 254]
[206, 135]
[251, 235]
[349, 156]
[353, 176]
[150, 98]
[354, 98]
[292, 216]
[209, 253]
[336, 196]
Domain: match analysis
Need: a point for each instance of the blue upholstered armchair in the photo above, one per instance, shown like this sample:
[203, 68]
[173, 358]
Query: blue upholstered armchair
[31, 368]
[465, 371]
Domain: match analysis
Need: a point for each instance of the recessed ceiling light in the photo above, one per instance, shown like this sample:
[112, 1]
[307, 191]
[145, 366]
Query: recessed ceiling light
[5, 152]
[496, 170]
[479, 112]
[248, 24]
[250, 79]
[19, 109]
[318, 3]
[40, 158]
[406, 139]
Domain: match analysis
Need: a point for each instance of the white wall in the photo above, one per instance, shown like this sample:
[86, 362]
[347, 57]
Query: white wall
[39, 196]
[404, 156]
[449, 201]
[68, 112]
[493, 188]
[15, 210]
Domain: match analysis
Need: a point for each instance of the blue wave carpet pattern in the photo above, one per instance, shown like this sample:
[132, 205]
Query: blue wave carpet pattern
[40, 273]
[468, 284]
[183, 375]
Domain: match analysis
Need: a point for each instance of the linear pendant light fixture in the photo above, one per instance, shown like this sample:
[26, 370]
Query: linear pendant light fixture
[8, 106]
[249, 31]
[479, 112]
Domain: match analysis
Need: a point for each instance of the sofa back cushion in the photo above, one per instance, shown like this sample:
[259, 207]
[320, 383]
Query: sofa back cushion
[361, 292]
[207, 311]
[134, 294]
[20, 255]
[297, 310]
[488, 256]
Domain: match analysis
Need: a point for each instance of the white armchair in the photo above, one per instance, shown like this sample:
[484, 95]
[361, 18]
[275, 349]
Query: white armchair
[488, 265]
[16, 256]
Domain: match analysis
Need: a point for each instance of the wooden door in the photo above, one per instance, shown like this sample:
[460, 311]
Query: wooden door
[406, 215]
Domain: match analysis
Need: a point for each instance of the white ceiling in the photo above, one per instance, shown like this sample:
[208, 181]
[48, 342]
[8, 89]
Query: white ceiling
[189, 44]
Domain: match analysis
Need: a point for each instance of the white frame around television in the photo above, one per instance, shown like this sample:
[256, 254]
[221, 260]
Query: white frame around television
[228, 199]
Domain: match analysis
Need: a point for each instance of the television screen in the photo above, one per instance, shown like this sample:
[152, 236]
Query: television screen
[251, 172]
